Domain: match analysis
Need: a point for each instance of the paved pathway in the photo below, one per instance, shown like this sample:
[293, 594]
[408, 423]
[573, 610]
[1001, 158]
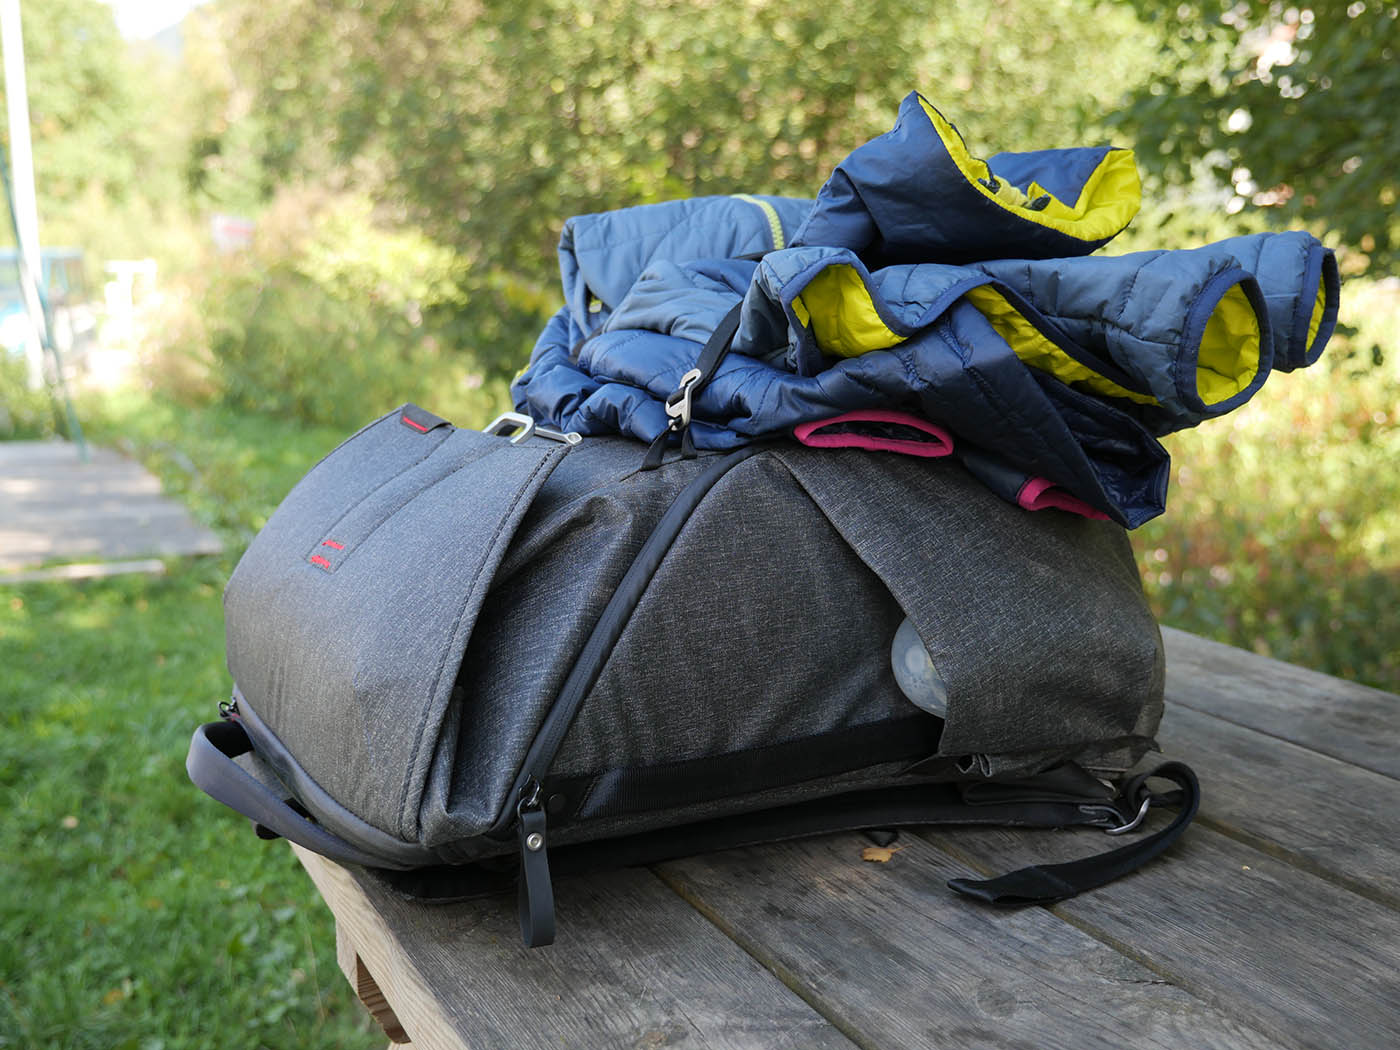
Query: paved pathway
[104, 512]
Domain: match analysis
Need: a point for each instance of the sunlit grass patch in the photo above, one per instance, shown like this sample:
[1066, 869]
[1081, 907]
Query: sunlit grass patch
[139, 913]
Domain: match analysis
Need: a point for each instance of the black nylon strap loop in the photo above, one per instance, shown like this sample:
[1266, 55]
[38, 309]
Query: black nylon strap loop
[656, 451]
[536, 899]
[1049, 883]
[715, 350]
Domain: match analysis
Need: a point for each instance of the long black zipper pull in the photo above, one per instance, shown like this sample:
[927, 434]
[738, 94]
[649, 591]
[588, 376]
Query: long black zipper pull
[536, 889]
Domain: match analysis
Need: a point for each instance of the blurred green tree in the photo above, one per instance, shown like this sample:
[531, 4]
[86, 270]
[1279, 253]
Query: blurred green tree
[1286, 104]
[80, 99]
[101, 144]
[105, 124]
[490, 122]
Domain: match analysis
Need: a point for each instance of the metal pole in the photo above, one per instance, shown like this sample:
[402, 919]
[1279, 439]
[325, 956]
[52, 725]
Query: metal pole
[22, 184]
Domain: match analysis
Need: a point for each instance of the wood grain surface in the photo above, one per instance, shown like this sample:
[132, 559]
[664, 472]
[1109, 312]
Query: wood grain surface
[1296, 956]
[1314, 811]
[891, 954]
[634, 967]
[1353, 723]
[1275, 921]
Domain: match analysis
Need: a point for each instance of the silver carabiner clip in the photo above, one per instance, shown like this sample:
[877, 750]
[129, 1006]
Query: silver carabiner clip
[508, 421]
[1135, 822]
[678, 403]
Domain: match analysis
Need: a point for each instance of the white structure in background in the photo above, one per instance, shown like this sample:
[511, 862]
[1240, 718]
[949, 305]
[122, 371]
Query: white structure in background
[133, 281]
[22, 182]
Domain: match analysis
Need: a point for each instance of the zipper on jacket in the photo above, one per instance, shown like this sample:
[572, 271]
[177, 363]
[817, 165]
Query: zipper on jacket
[775, 224]
[528, 817]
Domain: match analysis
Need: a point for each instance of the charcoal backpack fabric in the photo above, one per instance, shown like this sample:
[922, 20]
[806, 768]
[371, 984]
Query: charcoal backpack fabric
[464, 658]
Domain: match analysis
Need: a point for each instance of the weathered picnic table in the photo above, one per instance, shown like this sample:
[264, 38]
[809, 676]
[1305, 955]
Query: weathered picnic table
[1275, 922]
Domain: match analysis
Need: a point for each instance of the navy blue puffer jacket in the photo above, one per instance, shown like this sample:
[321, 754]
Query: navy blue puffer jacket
[926, 280]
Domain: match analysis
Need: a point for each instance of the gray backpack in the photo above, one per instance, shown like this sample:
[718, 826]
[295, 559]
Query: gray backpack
[465, 658]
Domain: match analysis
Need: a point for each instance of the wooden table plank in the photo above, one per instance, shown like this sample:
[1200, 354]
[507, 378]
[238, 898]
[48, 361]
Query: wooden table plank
[1297, 957]
[1314, 811]
[634, 966]
[1350, 722]
[889, 950]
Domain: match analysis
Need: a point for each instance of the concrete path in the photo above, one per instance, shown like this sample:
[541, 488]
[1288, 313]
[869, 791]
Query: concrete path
[103, 512]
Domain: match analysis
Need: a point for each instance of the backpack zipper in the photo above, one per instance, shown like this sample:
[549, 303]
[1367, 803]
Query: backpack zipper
[528, 816]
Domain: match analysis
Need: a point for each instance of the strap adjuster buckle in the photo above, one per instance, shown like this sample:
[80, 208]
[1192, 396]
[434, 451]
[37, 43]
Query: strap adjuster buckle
[1131, 825]
[508, 421]
[678, 402]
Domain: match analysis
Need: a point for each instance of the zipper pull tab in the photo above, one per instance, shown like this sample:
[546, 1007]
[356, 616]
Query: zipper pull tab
[536, 889]
[228, 709]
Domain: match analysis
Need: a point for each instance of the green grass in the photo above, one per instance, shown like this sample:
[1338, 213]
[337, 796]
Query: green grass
[230, 468]
[137, 913]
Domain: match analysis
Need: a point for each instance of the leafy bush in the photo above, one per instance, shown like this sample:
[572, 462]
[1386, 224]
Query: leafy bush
[24, 413]
[332, 318]
[492, 123]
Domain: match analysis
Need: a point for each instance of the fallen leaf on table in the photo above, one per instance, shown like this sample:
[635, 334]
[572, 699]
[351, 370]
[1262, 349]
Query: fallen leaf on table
[879, 854]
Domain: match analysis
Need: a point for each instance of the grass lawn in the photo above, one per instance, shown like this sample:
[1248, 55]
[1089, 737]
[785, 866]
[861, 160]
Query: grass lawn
[137, 913]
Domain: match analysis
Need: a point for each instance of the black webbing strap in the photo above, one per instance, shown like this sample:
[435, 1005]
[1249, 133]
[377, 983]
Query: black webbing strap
[1049, 883]
[536, 893]
[935, 804]
[678, 404]
[672, 785]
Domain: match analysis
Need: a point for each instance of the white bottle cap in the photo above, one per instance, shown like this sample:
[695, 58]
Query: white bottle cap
[913, 668]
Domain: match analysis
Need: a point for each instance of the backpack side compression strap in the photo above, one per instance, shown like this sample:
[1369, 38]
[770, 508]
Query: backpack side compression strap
[909, 806]
[1049, 883]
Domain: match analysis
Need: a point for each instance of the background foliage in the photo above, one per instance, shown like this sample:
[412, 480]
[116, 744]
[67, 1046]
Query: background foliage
[1281, 530]
[329, 312]
[493, 122]
[109, 123]
[408, 164]
[1289, 107]
[24, 413]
